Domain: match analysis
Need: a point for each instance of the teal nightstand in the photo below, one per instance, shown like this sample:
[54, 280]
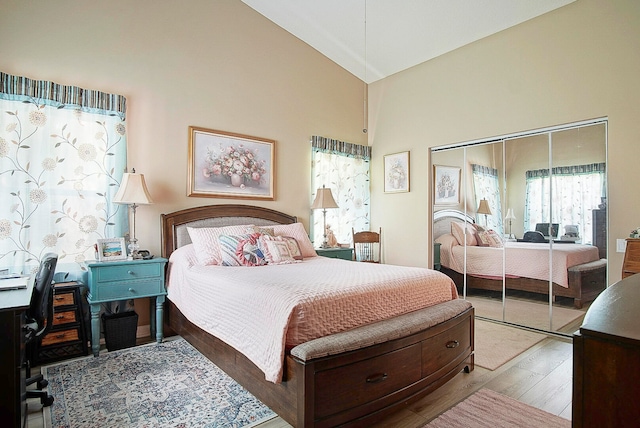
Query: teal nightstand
[336, 253]
[127, 279]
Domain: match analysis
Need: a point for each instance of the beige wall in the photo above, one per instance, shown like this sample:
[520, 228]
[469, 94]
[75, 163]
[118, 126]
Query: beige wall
[214, 64]
[578, 62]
[210, 63]
[220, 65]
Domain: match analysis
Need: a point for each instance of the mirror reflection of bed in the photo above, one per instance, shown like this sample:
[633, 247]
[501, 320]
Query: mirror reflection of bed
[531, 182]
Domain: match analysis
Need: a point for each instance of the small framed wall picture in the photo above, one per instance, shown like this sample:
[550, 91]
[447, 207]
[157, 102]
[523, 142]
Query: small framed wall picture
[396, 172]
[111, 249]
[446, 187]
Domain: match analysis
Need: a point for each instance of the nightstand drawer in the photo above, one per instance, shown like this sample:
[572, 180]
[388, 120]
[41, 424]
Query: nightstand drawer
[128, 272]
[130, 290]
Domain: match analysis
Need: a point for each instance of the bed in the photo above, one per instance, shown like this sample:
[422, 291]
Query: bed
[346, 378]
[577, 270]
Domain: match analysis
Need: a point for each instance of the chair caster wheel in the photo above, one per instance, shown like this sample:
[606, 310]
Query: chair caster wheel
[46, 402]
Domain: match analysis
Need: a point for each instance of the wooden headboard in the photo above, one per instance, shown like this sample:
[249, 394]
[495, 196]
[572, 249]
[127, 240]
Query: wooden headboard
[174, 225]
[442, 221]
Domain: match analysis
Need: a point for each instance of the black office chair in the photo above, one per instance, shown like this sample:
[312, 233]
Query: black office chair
[39, 321]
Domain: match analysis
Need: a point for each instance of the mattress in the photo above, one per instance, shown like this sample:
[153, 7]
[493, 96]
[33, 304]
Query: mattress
[516, 259]
[262, 311]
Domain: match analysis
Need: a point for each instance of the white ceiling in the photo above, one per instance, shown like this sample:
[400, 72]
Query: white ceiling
[399, 33]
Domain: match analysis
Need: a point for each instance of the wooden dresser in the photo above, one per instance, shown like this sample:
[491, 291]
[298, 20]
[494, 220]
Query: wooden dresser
[606, 359]
[631, 263]
[67, 337]
[599, 229]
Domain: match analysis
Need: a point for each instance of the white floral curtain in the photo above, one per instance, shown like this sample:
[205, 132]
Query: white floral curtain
[344, 168]
[62, 156]
[486, 186]
[577, 190]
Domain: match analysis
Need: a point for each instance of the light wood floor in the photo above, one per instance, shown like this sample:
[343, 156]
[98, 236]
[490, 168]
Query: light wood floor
[540, 377]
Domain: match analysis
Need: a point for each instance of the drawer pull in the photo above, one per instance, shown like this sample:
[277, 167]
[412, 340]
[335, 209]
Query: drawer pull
[58, 298]
[60, 317]
[131, 290]
[60, 336]
[130, 272]
[376, 378]
[453, 344]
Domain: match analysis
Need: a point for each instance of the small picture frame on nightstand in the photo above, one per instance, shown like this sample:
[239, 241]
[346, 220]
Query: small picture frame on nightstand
[111, 249]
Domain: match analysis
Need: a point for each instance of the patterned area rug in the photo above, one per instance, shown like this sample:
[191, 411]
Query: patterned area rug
[154, 385]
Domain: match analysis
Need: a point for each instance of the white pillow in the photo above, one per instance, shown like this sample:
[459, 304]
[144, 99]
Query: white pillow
[458, 230]
[292, 244]
[277, 250]
[296, 230]
[206, 244]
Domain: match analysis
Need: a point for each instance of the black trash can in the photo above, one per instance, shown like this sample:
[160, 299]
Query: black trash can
[120, 330]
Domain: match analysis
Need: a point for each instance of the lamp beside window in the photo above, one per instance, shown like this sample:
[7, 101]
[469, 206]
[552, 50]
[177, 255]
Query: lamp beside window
[133, 192]
[483, 208]
[324, 199]
[510, 216]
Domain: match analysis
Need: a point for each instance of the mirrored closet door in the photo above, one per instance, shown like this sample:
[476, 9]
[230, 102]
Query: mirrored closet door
[520, 223]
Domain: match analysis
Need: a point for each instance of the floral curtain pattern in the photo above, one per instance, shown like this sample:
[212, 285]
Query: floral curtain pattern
[577, 190]
[62, 156]
[344, 168]
[486, 186]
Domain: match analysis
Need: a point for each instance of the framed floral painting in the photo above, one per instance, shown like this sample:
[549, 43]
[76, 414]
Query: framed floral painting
[228, 165]
[396, 172]
[446, 188]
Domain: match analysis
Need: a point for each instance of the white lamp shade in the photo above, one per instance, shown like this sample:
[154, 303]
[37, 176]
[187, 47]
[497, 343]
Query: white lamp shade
[324, 199]
[133, 190]
[510, 215]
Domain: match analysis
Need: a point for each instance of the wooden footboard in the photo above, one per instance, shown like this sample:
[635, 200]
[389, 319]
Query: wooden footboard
[333, 381]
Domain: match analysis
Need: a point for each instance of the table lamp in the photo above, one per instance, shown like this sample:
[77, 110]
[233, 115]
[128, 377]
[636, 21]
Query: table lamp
[483, 208]
[324, 199]
[133, 192]
[510, 216]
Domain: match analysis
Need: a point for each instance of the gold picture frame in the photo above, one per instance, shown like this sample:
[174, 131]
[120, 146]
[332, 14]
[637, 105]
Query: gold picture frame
[396, 172]
[228, 165]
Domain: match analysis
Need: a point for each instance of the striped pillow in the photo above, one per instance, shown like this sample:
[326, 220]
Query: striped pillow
[241, 250]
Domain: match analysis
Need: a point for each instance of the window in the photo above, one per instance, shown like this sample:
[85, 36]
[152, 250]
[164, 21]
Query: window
[62, 156]
[344, 168]
[576, 191]
[485, 184]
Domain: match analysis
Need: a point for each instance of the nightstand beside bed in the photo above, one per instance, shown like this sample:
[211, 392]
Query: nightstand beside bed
[336, 253]
[124, 280]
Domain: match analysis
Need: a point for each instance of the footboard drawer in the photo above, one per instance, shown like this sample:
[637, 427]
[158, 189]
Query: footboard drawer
[443, 348]
[354, 384]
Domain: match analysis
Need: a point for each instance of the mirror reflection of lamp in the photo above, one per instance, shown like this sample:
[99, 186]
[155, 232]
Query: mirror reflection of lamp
[510, 216]
[483, 208]
[133, 192]
[324, 199]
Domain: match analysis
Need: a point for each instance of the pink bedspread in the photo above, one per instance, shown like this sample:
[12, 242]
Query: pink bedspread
[261, 311]
[521, 259]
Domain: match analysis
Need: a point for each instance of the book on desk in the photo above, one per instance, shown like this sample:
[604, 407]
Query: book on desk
[13, 282]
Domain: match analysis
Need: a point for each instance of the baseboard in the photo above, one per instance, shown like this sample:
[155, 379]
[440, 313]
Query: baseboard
[143, 331]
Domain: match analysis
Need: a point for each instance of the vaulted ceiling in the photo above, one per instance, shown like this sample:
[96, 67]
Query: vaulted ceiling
[374, 39]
